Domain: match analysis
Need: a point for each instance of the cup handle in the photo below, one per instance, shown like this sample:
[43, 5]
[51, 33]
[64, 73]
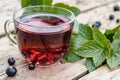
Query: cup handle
[8, 33]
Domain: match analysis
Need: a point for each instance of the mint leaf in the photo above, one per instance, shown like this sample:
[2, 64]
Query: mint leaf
[110, 33]
[107, 32]
[84, 34]
[34, 2]
[47, 2]
[90, 65]
[71, 57]
[25, 3]
[75, 10]
[85, 31]
[117, 35]
[113, 59]
[100, 38]
[92, 49]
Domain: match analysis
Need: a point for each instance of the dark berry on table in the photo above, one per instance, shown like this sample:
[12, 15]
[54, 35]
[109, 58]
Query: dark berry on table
[118, 20]
[11, 71]
[116, 8]
[97, 24]
[111, 17]
[11, 61]
[31, 66]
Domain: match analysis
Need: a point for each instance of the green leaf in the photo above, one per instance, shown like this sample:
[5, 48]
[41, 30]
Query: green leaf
[100, 38]
[25, 3]
[110, 33]
[47, 2]
[91, 49]
[85, 31]
[84, 34]
[113, 59]
[33, 2]
[90, 65]
[75, 10]
[107, 32]
[71, 57]
[117, 34]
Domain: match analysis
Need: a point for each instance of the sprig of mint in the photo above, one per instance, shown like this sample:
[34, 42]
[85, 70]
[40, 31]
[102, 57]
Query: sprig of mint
[98, 48]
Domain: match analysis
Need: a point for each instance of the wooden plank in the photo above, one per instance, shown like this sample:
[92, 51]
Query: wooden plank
[67, 71]
[103, 74]
[6, 45]
[7, 8]
[100, 14]
[111, 76]
[100, 73]
[58, 72]
[87, 5]
[8, 50]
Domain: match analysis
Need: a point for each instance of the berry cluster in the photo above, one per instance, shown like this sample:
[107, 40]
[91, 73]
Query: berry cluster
[116, 8]
[11, 70]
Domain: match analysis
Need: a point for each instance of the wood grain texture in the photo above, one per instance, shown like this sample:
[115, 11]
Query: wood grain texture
[67, 71]
[101, 14]
[92, 10]
[103, 73]
[87, 5]
[7, 8]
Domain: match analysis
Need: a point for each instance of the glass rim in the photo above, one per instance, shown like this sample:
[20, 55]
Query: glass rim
[68, 22]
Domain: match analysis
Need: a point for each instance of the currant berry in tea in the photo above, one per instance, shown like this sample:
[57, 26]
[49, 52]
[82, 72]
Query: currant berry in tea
[43, 39]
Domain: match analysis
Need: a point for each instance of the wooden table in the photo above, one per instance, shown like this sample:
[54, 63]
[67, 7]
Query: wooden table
[92, 10]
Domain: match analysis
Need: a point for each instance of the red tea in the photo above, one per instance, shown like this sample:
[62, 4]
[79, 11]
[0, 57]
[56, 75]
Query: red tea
[43, 39]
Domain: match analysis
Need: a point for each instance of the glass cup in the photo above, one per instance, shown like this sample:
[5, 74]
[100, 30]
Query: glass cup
[42, 33]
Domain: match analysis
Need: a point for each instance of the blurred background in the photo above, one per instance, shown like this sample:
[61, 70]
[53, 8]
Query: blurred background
[91, 11]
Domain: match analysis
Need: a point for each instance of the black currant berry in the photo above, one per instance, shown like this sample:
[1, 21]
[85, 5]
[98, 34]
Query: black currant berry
[31, 66]
[116, 8]
[111, 17]
[11, 71]
[97, 24]
[11, 61]
[118, 20]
